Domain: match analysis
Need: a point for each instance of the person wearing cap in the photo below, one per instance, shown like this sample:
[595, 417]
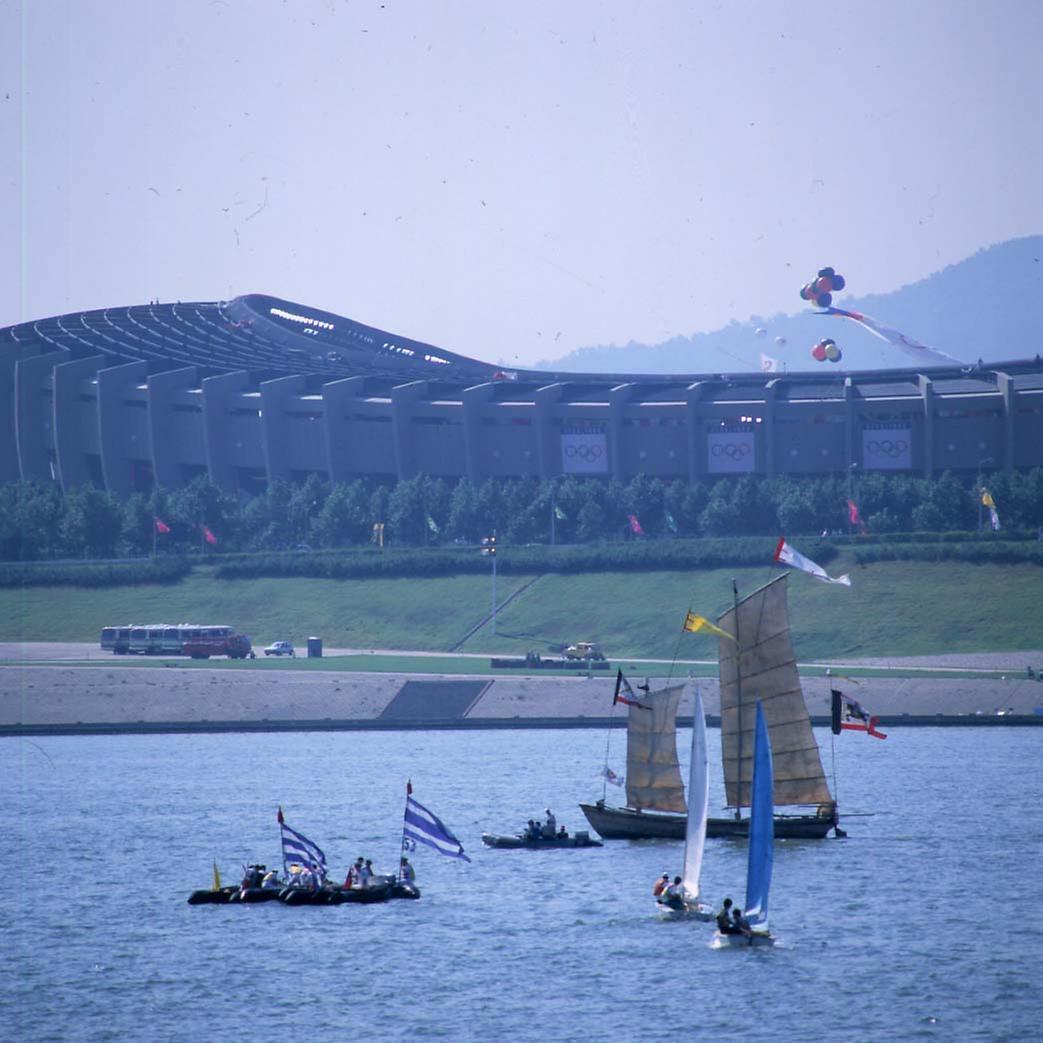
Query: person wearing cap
[660, 885]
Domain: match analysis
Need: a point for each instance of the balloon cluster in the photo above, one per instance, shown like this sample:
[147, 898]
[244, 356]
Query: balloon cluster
[821, 289]
[826, 350]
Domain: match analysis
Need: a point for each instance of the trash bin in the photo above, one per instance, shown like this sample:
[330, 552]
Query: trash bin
[314, 647]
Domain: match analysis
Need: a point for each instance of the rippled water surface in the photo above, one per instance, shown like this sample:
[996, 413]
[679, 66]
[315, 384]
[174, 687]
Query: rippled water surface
[888, 934]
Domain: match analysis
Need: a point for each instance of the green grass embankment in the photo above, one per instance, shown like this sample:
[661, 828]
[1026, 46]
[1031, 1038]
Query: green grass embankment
[892, 609]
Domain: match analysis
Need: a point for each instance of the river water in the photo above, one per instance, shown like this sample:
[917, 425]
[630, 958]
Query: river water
[923, 924]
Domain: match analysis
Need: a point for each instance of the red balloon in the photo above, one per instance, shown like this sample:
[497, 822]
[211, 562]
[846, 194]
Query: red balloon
[824, 284]
[818, 353]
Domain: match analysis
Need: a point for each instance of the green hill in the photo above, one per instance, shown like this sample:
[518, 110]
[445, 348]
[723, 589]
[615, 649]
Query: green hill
[892, 609]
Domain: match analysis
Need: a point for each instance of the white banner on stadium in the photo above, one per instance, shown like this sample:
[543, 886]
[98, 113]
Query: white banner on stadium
[730, 452]
[887, 448]
[584, 450]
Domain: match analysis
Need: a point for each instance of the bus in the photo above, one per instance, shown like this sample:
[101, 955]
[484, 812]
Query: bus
[191, 639]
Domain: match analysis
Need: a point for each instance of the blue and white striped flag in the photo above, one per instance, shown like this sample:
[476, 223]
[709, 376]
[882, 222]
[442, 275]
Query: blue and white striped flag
[423, 827]
[297, 848]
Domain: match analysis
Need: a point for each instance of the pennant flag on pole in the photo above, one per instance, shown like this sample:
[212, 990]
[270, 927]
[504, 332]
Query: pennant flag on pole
[854, 517]
[560, 514]
[849, 714]
[161, 526]
[786, 555]
[298, 848]
[209, 536]
[625, 694]
[432, 524]
[988, 501]
[635, 525]
[694, 623]
[610, 776]
[671, 524]
[421, 825]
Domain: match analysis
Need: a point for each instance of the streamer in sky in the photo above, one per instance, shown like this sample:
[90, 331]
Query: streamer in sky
[894, 337]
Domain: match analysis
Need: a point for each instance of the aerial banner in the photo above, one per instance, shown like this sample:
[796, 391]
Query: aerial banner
[584, 449]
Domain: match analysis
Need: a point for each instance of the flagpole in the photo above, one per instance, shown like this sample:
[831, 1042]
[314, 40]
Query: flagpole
[402, 843]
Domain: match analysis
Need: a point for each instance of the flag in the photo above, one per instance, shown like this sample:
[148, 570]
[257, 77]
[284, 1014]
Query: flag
[986, 498]
[560, 514]
[635, 525]
[768, 364]
[670, 523]
[610, 776]
[298, 848]
[161, 526]
[854, 517]
[625, 694]
[432, 524]
[994, 519]
[849, 714]
[427, 828]
[694, 623]
[217, 878]
[988, 501]
[786, 555]
[209, 536]
[894, 337]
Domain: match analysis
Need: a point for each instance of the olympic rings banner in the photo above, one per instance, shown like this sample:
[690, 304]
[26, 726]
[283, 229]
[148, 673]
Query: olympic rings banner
[584, 450]
[887, 448]
[730, 452]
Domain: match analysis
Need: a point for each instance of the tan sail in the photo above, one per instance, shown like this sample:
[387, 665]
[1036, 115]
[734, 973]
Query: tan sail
[653, 773]
[766, 670]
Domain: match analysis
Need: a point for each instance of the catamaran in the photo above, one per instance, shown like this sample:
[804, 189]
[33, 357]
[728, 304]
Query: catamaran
[758, 656]
[761, 854]
[687, 904]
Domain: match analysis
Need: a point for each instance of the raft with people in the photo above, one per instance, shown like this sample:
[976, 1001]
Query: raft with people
[540, 835]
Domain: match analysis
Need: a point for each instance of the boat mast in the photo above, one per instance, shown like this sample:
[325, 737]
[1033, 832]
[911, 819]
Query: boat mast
[738, 702]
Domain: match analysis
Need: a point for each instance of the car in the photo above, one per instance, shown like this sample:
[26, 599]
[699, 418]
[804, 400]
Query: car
[584, 650]
[280, 648]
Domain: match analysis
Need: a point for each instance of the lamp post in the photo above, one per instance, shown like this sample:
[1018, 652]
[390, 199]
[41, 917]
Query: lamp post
[977, 492]
[489, 550]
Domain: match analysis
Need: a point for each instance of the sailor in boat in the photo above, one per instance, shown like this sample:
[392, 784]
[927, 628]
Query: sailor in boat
[271, 881]
[673, 892]
[562, 834]
[661, 885]
[532, 831]
[724, 921]
[550, 827]
[352, 879]
[366, 873]
[406, 873]
[740, 925]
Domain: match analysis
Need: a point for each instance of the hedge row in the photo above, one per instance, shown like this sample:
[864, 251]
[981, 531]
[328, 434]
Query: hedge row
[979, 553]
[94, 574]
[672, 555]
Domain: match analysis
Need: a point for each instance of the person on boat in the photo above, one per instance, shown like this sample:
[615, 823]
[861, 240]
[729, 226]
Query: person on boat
[354, 871]
[724, 924]
[551, 825]
[672, 892]
[406, 873]
[271, 881]
[563, 833]
[532, 831]
[366, 873]
[740, 925]
[661, 885]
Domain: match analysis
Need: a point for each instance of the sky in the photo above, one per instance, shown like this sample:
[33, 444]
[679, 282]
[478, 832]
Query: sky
[509, 180]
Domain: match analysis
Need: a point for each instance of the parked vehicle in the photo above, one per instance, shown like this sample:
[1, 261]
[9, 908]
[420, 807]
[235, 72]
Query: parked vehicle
[199, 642]
[280, 648]
[584, 650]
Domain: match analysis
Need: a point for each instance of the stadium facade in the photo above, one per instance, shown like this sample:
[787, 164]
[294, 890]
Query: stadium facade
[257, 388]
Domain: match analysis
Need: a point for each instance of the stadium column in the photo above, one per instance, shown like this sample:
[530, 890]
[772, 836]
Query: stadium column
[1007, 393]
[696, 434]
[850, 416]
[547, 448]
[473, 400]
[927, 396]
[771, 389]
[403, 399]
[116, 440]
[275, 430]
[10, 352]
[34, 418]
[168, 450]
[75, 433]
[218, 430]
[336, 395]
[618, 397]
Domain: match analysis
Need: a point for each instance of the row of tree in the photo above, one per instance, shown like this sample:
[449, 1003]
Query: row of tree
[38, 522]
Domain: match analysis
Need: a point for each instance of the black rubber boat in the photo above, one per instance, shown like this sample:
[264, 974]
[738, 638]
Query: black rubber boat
[581, 839]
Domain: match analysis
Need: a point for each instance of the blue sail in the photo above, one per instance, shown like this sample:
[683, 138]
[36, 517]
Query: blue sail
[762, 829]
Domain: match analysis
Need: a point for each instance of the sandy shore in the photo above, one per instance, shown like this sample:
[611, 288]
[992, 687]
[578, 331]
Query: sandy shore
[57, 696]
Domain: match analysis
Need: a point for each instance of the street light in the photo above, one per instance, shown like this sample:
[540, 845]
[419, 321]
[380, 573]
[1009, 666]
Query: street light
[489, 550]
[981, 463]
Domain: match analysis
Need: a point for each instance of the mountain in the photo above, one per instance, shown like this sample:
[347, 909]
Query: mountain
[989, 307]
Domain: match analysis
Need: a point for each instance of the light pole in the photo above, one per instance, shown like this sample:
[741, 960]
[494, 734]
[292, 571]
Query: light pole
[977, 492]
[489, 550]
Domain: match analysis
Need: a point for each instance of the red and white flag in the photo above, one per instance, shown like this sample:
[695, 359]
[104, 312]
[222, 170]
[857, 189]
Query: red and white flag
[610, 776]
[161, 526]
[635, 525]
[786, 555]
[209, 536]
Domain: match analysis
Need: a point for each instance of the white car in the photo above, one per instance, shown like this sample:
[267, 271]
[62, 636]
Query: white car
[280, 648]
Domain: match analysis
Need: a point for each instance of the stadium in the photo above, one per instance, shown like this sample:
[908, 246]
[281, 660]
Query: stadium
[257, 388]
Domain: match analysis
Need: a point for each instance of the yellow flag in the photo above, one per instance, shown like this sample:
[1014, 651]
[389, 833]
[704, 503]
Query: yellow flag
[217, 878]
[986, 499]
[692, 623]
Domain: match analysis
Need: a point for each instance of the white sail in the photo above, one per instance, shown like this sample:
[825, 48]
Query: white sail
[653, 772]
[698, 802]
[759, 665]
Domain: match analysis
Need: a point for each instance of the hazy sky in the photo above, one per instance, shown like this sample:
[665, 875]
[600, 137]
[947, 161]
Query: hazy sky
[509, 180]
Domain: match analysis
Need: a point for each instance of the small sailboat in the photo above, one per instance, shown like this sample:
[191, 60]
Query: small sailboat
[687, 904]
[761, 855]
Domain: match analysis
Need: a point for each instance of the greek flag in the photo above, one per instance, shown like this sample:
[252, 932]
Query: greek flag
[297, 848]
[420, 825]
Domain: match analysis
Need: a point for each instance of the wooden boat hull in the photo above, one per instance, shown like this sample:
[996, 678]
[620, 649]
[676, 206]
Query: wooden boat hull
[539, 844]
[628, 824]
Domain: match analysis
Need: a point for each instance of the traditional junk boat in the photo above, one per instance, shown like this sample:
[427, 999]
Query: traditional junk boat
[758, 665]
